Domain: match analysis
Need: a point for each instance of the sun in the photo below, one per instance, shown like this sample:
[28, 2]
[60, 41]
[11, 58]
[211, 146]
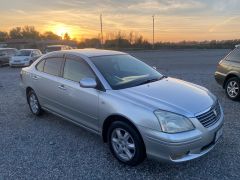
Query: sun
[61, 29]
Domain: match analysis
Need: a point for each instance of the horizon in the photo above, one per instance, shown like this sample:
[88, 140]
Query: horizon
[175, 20]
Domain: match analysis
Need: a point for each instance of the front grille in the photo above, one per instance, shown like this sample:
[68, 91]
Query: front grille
[210, 117]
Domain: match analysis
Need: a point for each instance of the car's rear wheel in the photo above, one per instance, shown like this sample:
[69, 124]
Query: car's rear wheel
[125, 143]
[233, 88]
[34, 103]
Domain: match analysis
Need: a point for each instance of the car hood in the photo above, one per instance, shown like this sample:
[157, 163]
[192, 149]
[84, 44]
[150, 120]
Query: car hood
[172, 95]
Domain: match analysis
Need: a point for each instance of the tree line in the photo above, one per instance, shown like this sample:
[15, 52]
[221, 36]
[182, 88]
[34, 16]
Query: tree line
[114, 40]
[29, 32]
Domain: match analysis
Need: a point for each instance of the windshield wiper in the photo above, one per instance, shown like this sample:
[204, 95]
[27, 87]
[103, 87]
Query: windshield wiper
[151, 80]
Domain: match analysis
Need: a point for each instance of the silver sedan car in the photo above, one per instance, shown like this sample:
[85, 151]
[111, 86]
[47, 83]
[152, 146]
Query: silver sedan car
[138, 111]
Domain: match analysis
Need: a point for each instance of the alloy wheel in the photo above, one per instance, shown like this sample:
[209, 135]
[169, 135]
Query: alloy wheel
[123, 144]
[233, 89]
[33, 103]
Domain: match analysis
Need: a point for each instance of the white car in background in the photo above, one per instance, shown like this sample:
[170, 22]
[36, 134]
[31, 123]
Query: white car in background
[25, 57]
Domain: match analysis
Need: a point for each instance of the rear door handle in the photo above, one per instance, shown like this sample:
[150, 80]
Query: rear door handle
[62, 87]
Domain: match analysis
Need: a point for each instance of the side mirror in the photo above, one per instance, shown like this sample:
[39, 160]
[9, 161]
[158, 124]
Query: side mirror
[88, 83]
[154, 67]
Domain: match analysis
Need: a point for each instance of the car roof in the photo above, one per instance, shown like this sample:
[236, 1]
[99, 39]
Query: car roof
[29, 49]
[93, 52]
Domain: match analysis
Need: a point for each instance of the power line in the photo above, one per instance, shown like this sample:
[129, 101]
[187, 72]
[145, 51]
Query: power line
[153, 32]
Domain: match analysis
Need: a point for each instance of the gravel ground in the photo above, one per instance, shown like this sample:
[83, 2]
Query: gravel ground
[51, 148]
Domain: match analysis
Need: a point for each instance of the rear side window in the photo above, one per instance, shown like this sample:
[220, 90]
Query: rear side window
[40, 65]
[53, 66]
[75, 70]
[234, 55]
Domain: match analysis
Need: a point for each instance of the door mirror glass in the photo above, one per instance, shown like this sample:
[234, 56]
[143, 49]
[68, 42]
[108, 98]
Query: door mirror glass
[88, 83]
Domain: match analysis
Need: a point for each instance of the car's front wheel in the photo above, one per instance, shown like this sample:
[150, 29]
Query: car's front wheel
[34, 103]
[125, 143]
[233, 88]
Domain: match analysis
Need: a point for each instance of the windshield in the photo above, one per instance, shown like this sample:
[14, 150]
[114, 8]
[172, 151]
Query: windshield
[23, 53]
[124, 71]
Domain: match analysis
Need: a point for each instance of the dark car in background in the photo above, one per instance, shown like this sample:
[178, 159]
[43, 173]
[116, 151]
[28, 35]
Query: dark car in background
[6, 54]
[57, 48]
[228, 74]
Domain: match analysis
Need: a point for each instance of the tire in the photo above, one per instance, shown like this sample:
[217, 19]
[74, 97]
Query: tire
[34, 103]
[129, 150]
[232, 88]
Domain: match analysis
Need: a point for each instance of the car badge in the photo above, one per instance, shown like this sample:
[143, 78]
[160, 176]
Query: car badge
[215, 112]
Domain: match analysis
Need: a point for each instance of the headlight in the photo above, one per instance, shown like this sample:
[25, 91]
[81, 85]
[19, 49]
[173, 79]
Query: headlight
[173, 123]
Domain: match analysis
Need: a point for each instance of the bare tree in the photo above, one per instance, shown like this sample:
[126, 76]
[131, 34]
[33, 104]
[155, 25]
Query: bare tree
[16, 33]
[3, 36]
[66, 37]
[29, 32]
[131, 35]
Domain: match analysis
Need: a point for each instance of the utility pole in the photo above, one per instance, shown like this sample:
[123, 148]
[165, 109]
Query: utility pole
[101, 30]
[153, 33]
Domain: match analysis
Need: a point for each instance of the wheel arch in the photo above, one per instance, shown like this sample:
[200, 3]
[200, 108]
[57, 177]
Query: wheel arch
[117, 117]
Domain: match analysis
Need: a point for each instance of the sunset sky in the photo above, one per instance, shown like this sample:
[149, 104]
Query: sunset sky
[175, 20]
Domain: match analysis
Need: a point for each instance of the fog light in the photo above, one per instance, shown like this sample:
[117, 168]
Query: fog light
[179, 155]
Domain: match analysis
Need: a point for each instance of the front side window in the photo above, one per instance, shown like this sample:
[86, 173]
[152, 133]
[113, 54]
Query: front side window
[75, 70]
[234, 55]
[123, 71]
[53, 66]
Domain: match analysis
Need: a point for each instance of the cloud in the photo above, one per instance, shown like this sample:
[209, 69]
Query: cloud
[226, 22]
[179, 19]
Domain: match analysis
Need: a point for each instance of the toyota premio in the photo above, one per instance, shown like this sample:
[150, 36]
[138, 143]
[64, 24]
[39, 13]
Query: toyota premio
[135, 109]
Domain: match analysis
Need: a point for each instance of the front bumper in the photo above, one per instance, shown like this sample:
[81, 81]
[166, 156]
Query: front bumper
[181, 147]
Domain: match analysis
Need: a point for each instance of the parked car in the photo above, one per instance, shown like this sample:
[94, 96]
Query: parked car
[25, 57]
[133, 107]
[57, 48]
[6, 54]
[228, 74]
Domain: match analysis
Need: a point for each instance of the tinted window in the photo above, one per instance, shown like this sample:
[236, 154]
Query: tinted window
[234, 55]
[53, 66]
[75, 70]
[40, 65]
[123, 71]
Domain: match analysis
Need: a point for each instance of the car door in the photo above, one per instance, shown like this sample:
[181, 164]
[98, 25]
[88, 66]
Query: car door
[79, 104]
[46, 83]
